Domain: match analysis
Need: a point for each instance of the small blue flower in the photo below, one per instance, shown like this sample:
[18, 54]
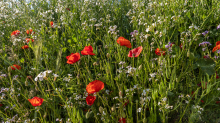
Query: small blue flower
[218, 27]
[134, 33]
[204, 43]
[206, 32]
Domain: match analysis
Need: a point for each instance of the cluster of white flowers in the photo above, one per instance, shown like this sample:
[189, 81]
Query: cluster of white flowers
[41, 75]
[112, 30]
[198, 108]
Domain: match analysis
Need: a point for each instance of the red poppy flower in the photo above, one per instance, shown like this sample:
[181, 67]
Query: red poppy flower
[158, 52]
[29, 31]
[36, 101]
[28, 39]
[202, 101]
[15, 33]
[73, 58]
[217, 43]
[90, 100]
[124, 42]
[217, 102]
[94, 86]
[135, 52]
[1, 105]
[68, 9]
[25, 47]
[51, 24]
[216, 48]
[15, 66]
[122, 120]
[88, 50]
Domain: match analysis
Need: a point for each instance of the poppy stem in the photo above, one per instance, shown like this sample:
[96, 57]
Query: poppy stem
[88, 61]
[133, 61]
[35, 116]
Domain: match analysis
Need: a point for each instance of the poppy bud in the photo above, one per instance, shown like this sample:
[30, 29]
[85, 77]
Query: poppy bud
[45, 114]
[95, 63]
[188, 53]
[113, 108]
[9, 69]
[87, 115]
[108, 55]
[26, 83]
[139, 68]
[101, 109]
[1, 50]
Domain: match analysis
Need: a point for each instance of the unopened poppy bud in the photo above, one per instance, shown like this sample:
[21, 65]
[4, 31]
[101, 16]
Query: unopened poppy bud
[9, 69]
[113, 108]
[1, 50]
[95, 63]
[45, 114]
[108, 55]
[101, 109]
[139, 68]
[87, 115]
[188, 53]
[26, 83]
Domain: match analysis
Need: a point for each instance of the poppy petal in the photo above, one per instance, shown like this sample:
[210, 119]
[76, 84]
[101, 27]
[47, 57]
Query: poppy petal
[94, 86]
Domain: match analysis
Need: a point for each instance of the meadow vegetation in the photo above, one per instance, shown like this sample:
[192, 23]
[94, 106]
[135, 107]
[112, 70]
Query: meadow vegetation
[110, 61]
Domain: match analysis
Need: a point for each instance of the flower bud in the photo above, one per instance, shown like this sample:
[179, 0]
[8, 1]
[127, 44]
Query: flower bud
[113, 108]
[101, 109]
[108, 55]
[45, 114]
[95, 63]
[87, 115]
[9, 69]
[188, 53]
[139, 68]
[26, 83]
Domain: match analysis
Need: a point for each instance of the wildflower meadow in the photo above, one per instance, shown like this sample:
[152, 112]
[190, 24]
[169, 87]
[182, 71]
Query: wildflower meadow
[109, 61]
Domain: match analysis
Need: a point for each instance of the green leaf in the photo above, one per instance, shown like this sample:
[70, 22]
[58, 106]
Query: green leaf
[205, 63]
[208, 70]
